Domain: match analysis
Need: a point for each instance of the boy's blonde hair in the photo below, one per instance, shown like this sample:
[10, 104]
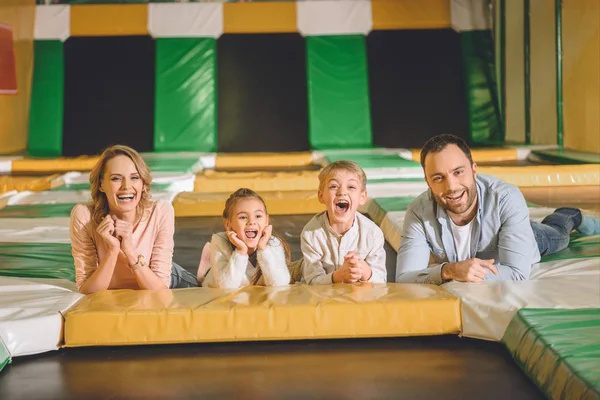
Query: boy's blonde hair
[344, 165]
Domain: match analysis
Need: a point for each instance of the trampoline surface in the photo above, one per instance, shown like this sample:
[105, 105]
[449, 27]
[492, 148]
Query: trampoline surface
[407, 368]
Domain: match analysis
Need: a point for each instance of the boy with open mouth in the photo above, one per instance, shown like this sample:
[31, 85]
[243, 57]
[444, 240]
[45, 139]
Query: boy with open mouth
[340, 245]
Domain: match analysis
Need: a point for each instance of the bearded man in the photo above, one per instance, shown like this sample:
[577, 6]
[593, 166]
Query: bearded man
[469, 227]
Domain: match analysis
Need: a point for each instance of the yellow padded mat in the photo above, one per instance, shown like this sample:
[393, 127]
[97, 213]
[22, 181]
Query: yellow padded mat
[195, 204]
[33, 183]
[128, 317]
[410, 14]
[277, 17]
[82, 163]
[481, 155]
[262, 160]
[547, 175]
[109, 19]
[210, 181]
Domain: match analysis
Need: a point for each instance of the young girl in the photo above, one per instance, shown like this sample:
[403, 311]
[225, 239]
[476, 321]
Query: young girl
[247, 253]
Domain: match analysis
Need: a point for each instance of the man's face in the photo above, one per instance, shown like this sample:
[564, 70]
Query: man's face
[451, 178]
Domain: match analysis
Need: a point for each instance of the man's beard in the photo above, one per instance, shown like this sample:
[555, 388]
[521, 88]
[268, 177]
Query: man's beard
[470, 193]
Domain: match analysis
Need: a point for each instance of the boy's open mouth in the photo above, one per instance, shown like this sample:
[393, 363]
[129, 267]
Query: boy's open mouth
[342, 206]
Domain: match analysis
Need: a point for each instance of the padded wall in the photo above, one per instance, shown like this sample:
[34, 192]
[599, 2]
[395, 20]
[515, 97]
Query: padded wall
[338, 92]
[262, 102]
[186, 95]
[47, 100]
[14, 108]
[109, 93]
[416, 86]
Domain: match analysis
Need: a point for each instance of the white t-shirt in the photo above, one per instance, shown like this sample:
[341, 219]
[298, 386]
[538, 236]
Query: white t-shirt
[462, 240]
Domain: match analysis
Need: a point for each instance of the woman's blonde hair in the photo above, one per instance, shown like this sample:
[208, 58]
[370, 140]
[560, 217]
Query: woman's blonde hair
[99, 202]
[231, 202]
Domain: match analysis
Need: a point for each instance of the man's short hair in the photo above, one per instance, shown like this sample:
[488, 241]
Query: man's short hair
[345, 165]
[440, 142]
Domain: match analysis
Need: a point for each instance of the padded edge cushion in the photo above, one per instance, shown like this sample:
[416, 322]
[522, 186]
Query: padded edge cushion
[278, 203]
[229, 182]
[125, 317]
[559, 350]
[262, 160]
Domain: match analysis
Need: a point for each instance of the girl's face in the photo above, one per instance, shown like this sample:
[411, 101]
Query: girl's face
[122, 184]
[248, 220]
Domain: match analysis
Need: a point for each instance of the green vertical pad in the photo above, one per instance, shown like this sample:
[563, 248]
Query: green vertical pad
[338, 92]
[482, 97]
[47, 95]
[186, 95]
[4, 355]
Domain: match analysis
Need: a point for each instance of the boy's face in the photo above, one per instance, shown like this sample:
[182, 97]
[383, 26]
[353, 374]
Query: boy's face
[342, 194]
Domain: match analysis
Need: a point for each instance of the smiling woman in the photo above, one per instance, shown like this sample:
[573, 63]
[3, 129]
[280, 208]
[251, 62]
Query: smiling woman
[123, 239]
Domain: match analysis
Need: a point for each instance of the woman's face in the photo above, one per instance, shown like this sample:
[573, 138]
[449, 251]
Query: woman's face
[122, 184]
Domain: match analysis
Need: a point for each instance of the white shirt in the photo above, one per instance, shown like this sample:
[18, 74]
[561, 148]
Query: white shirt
[462, 240]
[324, 249]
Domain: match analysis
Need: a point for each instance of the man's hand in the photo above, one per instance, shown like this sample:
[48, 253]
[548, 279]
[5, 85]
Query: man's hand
[471, 270]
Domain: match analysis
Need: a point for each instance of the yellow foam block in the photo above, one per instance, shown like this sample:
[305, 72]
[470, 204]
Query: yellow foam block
[410, 14]
[262, 160]
[126, 317]
[210, 181]
[188, 204]
[82, 163]
[481, 155]
[276, 17]
[32, 183]
[547, 175]
[109, 19]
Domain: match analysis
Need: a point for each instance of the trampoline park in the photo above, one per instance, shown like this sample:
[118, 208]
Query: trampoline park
[220, 95]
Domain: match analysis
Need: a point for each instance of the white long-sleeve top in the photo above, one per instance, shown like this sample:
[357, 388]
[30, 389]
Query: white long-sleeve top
[324, 249]
[229, 269]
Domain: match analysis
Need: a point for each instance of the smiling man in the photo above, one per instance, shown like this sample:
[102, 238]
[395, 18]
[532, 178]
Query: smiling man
[469, 227]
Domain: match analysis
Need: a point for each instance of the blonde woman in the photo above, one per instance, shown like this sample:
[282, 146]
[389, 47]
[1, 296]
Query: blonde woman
[123, 239]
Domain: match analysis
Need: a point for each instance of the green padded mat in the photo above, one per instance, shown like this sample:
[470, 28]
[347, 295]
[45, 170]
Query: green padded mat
[371, 161]
[389, 204]
[579, 247]
[559, 350]
[396, 180]
[37, 211]
[563, 156]
[171, 164]
[4, 355]
[86, 186]
[37, 260]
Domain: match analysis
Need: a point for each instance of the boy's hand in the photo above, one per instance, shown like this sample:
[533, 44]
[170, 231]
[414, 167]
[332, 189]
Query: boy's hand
[356, 261]
[237, 242]
[350, 271]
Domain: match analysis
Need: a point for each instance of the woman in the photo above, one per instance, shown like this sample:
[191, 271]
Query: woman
[123, 239]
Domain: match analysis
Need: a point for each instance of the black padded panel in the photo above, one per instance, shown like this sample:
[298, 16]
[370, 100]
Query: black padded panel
[263, 102]
[416, 86]
[109, 93]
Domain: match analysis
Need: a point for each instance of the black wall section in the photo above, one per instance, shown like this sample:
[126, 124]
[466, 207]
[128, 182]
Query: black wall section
[109, 93]
[263, 102]
[416, 86]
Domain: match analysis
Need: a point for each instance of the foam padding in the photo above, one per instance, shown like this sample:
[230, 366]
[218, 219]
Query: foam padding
[482, 155]
[82, 163]
[34, 184]
[188, 204]
[109, 20]
[4, 355]
[228, 182]
[126, 317]
[393, 14]
[276, 17]
[262, 160]
[559, 350]
[546, 175]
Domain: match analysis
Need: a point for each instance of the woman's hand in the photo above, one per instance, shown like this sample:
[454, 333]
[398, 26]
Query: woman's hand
[237, 242]
[106, 230]
[264, 239]
[124, 232]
